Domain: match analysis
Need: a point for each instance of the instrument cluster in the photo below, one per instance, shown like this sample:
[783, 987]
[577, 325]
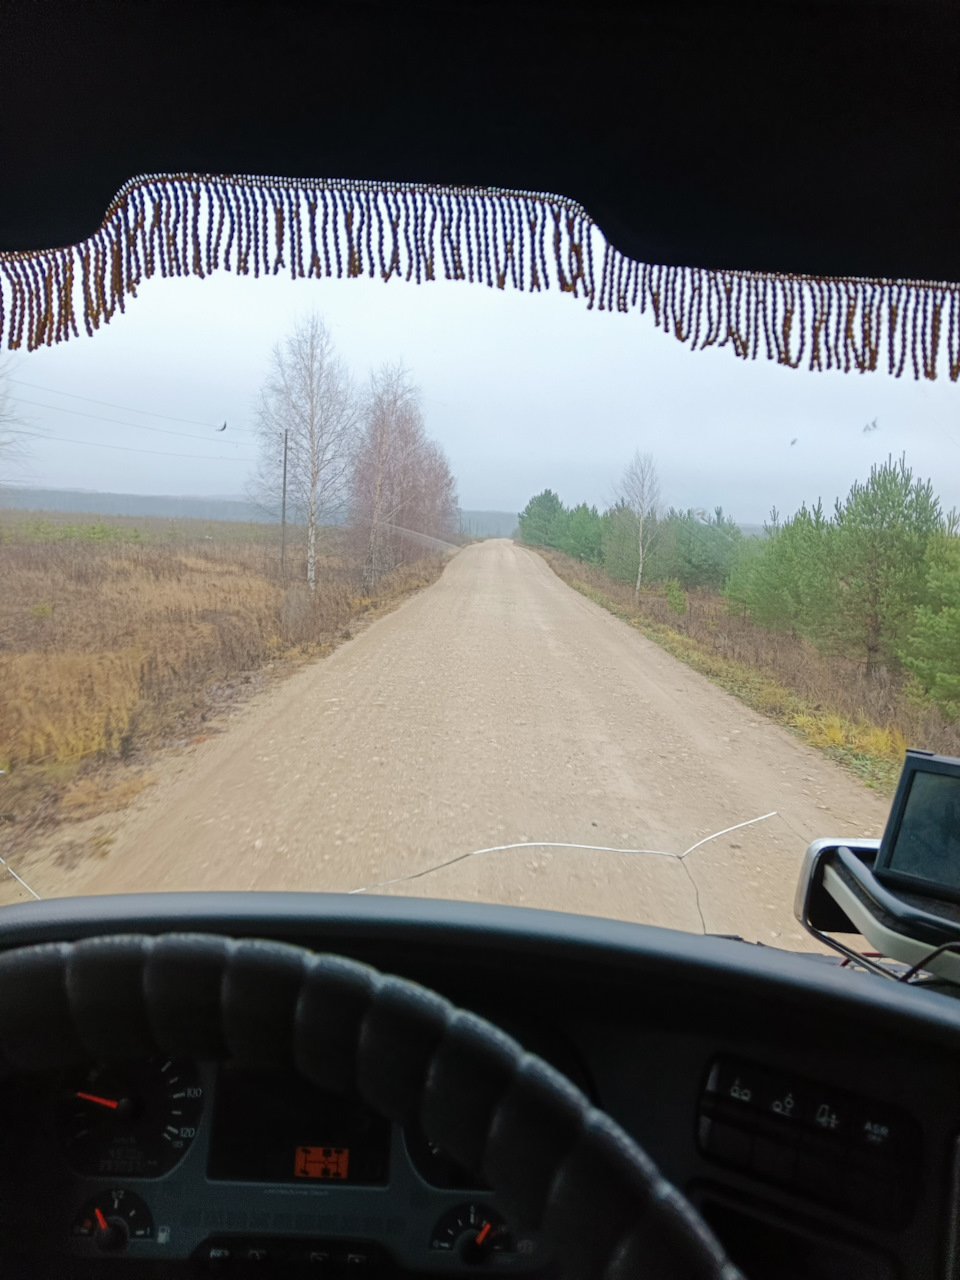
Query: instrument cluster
[173, 1163]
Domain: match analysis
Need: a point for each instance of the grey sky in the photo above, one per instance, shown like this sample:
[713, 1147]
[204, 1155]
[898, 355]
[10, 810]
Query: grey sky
[522, 391]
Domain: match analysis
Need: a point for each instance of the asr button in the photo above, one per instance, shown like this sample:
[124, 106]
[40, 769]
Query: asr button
[884, 1131]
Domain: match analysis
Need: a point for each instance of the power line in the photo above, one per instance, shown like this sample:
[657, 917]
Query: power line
[188, 422]
[157, 453]
[96, 417]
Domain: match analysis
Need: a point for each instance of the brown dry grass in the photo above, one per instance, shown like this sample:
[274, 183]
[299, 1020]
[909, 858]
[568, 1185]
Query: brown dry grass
[107, 646]
[864, 722]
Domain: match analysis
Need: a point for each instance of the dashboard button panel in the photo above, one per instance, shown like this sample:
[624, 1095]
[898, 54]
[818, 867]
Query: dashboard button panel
[236, 1255]
[853, 1153]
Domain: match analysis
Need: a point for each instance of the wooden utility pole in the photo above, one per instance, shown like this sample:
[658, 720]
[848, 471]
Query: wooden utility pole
[283, 507]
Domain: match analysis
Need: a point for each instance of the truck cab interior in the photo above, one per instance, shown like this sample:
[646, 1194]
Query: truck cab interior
[322, 1084]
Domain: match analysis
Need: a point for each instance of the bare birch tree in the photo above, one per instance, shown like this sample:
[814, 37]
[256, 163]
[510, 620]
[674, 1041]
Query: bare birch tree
[639, 492]
[401, 483]
[309, 396]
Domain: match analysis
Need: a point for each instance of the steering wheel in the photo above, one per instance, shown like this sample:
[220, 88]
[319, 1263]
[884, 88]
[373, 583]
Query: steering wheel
[557, 1164]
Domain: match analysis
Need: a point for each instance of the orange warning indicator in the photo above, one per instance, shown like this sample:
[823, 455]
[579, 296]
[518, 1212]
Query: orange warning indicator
[322, 1162]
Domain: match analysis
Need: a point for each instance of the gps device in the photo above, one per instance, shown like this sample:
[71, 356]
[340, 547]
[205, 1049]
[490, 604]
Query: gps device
[920, 849]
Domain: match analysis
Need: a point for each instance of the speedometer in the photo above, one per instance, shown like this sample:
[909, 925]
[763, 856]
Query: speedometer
[133, 1121]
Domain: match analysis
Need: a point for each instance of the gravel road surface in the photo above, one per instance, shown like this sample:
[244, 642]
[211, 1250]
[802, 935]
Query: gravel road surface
[496, 707]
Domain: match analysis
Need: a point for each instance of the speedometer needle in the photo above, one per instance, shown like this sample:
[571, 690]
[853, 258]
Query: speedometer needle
[101, 1220]
[482, 1235]
[112, 1103]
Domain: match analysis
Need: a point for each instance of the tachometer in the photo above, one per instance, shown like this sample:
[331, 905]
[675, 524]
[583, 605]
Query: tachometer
[132, 1121]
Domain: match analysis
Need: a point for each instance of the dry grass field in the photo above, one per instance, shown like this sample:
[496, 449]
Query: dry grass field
[119, 635]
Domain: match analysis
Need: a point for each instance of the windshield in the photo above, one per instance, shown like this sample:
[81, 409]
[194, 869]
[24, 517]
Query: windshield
[465, 593]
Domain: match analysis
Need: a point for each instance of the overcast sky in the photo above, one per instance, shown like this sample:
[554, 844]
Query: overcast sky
[522, 391]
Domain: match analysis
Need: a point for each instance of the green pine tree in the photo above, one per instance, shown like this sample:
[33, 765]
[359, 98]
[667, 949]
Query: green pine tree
[879, 562]
[932, 649]
[540, 519]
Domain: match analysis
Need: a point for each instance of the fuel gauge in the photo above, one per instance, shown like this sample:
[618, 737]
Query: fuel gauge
[113, 1218]
[474, 1231]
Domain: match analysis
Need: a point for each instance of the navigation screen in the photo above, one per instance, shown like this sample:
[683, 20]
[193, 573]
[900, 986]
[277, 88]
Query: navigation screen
[927, 844]
[271, 1126]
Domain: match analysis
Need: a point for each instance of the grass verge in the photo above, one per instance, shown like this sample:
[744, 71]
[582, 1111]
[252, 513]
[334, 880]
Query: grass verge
[874, 753]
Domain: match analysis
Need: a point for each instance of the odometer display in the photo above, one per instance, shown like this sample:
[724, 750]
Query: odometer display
[274, 1126]
[132, 1121]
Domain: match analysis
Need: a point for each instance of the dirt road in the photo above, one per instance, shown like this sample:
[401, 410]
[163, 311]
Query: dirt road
[499, 706]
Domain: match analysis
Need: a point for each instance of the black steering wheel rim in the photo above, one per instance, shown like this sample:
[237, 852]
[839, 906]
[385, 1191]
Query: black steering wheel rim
[556, 1163]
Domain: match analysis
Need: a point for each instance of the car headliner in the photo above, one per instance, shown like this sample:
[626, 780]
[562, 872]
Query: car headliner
[820, 137]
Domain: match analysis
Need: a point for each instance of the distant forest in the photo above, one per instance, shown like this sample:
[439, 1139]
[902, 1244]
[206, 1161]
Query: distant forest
[475, 524]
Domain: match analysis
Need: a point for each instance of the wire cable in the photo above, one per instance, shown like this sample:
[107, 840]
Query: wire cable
[96, 417]
[165, 417]
[554, 844]
[18, 879]
[157, 453]
[921, 965]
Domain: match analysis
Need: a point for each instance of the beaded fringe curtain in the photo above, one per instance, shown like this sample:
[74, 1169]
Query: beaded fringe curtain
[187, 224]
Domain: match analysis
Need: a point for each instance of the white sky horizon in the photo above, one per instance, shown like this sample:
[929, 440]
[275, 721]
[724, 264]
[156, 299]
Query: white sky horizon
[524, 392]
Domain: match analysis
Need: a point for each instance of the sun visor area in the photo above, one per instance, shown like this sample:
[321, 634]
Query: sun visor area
[188, 224]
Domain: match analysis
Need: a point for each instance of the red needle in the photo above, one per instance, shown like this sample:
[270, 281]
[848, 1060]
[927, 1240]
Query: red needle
[101, 1220]
[482, 1235]
[101, 1102]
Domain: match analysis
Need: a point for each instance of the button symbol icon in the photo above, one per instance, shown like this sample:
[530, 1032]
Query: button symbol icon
[826, 1118]
[785, 1106]
[740, 1092]
[876, 1133]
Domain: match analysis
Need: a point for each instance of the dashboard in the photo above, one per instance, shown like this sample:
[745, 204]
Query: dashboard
[811, 1113]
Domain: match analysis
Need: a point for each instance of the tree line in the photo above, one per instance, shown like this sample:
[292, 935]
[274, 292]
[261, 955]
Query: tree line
[332, 453]
[637, 539]
[876, 579]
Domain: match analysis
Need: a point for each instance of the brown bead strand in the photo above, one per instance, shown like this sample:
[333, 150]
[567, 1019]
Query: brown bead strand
[802, 315]
[696, 302]
[335, 230]
[33, 304]
[727, 287]
[678, 303]
[953, 337]
[117, 292]
[11, 270]
[370, 203]
[173, 204]
[446, 247]
[517, 233]
[232, 204]
[221, 220]
[394, 215]
[186, 229]
[70, 318]
[920, 342]
[324, 237]
[488, 266]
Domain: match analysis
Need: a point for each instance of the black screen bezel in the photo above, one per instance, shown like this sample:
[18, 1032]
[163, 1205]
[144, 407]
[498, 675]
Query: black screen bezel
[916, 762]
